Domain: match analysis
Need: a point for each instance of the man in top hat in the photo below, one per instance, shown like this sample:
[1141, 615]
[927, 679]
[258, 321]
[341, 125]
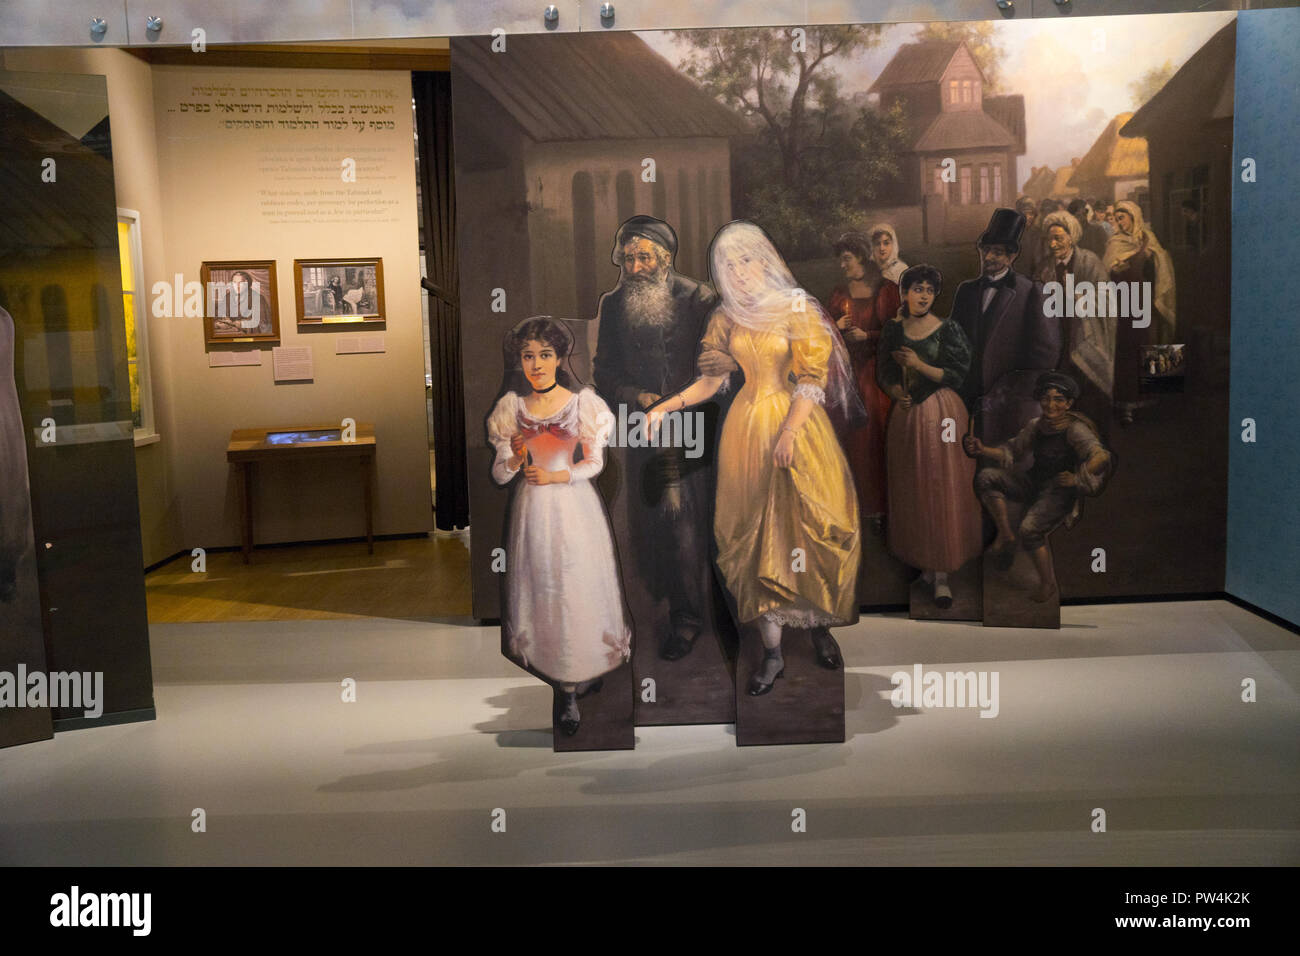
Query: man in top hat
[1012, 341]
[648, 341]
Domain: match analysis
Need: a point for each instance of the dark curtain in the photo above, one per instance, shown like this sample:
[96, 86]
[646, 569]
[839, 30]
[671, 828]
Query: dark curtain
[441, 283]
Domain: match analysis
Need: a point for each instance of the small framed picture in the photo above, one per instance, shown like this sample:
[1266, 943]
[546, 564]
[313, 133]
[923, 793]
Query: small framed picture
[339, 290]
[1164, 368]
[240, 301]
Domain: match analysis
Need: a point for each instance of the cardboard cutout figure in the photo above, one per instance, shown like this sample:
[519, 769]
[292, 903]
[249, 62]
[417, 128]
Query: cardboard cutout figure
[786, 516]
[861, 306]
[1088, 339]
[1012, 341]
[934, 519]
[650, 326]
[562, 611]
[1047, 469]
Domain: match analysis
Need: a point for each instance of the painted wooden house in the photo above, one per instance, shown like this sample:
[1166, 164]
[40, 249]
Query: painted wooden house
[961, 163]
[1187, 131]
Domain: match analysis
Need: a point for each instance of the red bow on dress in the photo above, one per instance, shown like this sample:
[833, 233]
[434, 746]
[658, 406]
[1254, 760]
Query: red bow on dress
[532, 431]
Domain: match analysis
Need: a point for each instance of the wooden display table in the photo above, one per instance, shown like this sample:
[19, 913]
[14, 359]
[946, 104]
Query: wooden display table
[248, 446]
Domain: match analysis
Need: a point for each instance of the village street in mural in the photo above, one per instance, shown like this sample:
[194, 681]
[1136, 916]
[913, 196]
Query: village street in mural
[1068, 183]
[907, 142]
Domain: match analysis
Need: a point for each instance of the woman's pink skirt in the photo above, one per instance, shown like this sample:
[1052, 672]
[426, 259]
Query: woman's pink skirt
[934, 516]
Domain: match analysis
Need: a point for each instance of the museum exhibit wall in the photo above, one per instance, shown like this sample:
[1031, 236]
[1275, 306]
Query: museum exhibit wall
[534, 176]
[1264, 474]
[197, 188]
[215, 180]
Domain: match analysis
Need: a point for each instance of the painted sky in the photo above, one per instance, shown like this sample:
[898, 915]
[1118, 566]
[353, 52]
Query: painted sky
[1071, 89]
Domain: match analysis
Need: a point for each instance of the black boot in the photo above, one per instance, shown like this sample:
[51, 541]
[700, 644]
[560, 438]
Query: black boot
[826, 650]
[772, 667]
[675, 647]
[681, 640]
[566, 711]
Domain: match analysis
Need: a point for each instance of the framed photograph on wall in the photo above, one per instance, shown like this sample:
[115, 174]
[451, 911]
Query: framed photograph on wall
[339, 290]
[240, 301]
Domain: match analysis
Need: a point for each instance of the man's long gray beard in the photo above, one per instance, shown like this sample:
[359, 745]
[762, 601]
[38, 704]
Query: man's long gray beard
[648, 302]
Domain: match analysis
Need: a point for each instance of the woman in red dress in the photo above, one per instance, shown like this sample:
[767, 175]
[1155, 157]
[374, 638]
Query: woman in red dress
[861, 305]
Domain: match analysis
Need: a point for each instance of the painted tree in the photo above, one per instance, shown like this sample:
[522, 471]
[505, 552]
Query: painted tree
[1150, 83]
[783, 77]
[816, 158]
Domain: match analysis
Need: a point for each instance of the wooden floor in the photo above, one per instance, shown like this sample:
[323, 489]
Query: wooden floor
[409, 578]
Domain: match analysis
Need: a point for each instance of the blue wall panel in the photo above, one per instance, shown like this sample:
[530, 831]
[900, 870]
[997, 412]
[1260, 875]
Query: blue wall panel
[1263, 564]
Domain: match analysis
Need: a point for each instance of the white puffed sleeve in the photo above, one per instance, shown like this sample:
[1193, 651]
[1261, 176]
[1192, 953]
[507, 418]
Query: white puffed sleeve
[502, 425]
[595, 425]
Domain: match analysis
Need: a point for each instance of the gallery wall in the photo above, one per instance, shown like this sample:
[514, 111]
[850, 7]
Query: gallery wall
[191, 179]
[1263, 487]
[217, 172]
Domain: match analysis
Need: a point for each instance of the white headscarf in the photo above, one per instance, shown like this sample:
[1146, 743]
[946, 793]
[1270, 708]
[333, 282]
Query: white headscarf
[1066, 221]
[1122, 245]
[768, 305]
[895, 267]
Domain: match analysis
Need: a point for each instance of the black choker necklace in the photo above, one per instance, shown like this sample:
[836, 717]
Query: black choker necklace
[543, 391]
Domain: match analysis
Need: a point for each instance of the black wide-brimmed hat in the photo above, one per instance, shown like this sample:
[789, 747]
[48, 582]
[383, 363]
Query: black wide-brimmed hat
[1004, 229]
[644, 227]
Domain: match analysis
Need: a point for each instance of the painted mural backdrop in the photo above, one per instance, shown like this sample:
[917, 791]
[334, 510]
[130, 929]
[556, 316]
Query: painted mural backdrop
[1002, 223]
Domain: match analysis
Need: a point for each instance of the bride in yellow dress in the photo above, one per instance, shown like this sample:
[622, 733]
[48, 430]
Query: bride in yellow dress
[786, 519]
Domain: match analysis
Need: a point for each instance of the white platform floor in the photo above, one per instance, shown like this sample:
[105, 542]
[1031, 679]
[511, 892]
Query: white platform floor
[1135, 709]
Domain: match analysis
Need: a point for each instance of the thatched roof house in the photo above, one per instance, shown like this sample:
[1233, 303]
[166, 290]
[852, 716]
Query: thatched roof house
[1187, 127]
[1061, 179]
[1116, 167]
[1041, 181]
[1202, 89]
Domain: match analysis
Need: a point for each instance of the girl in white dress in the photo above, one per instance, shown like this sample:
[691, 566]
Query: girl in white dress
[563, 616]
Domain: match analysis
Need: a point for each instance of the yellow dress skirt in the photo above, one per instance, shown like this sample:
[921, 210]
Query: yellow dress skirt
[789, 542]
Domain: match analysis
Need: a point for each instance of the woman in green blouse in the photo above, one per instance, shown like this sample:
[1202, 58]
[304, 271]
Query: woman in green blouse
[934, 516]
